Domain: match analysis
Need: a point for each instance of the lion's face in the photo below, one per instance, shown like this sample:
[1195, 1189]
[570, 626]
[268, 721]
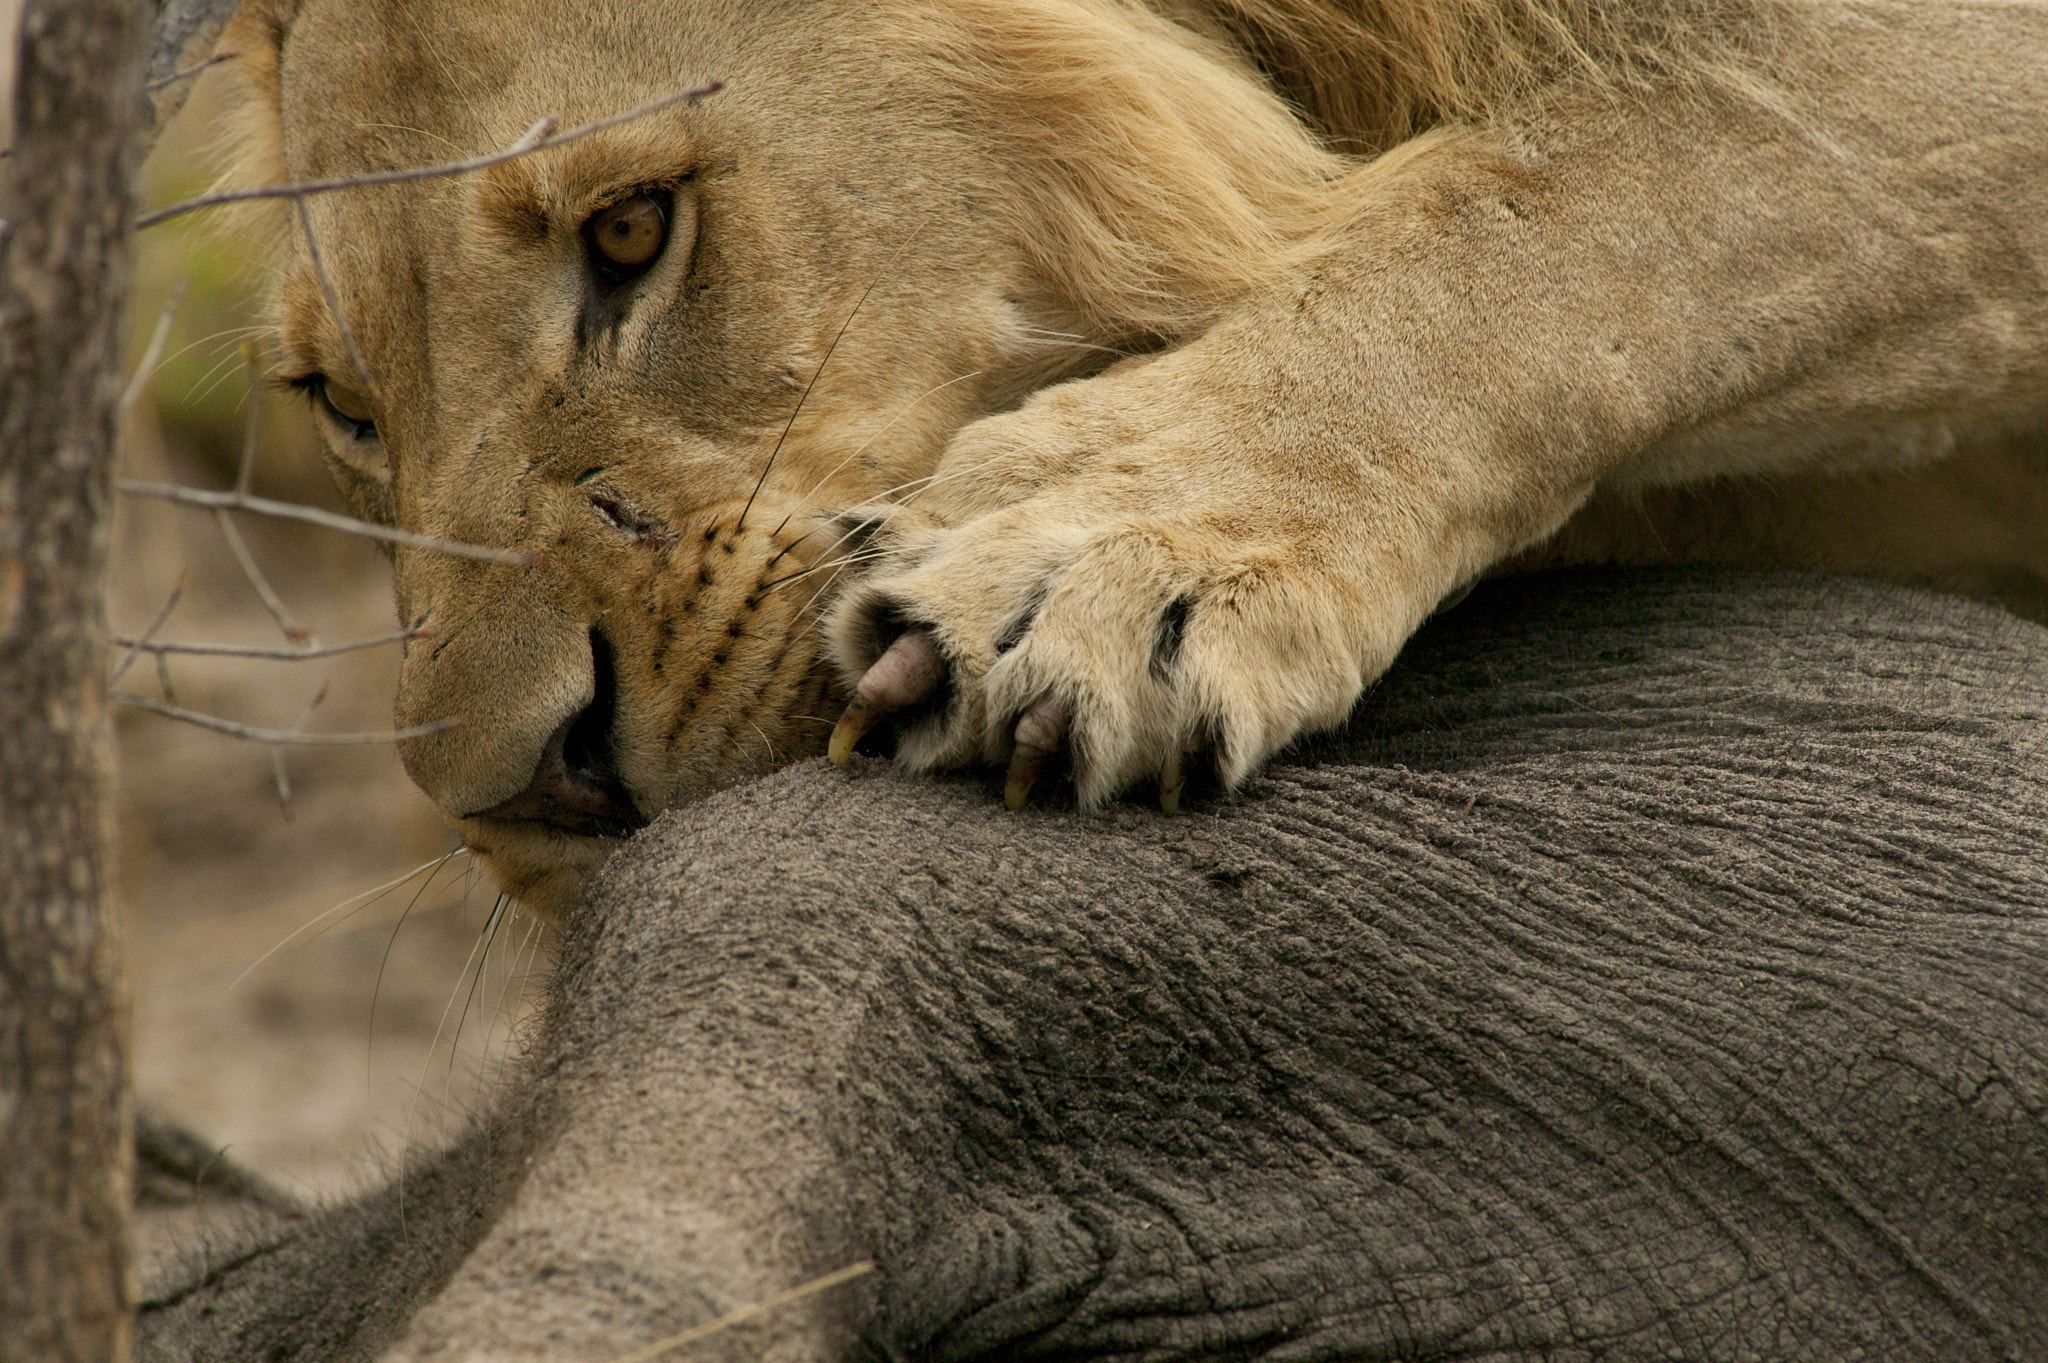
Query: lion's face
[598, 354]
[614, 354]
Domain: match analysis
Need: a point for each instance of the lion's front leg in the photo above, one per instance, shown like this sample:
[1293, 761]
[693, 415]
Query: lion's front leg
[1221, 546]
[1145, 566]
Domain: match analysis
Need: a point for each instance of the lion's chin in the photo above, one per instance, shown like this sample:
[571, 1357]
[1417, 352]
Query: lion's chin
[544, 868]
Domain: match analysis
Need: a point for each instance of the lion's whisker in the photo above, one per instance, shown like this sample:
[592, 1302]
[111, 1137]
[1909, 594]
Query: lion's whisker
[412, 1111]
[834, 563]
[766, 742]
[900, 414]
[501, 911]
[377, 987]
[360, 902]
[825, 558]
[802, 398]
[818, 373]
[1054, 338]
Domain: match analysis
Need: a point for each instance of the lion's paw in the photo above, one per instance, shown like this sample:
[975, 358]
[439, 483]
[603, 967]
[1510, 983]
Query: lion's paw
[1126, 644]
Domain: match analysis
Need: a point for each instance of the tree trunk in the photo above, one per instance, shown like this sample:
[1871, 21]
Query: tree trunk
[65, 1281]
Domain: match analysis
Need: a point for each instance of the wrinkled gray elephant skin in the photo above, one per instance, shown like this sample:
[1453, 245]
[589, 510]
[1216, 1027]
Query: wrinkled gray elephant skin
[1657, 968]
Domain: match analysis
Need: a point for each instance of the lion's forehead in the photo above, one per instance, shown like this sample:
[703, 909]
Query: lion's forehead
[369, 84]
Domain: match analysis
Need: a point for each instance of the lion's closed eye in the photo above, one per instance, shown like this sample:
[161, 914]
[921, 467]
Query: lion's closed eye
[348, 412]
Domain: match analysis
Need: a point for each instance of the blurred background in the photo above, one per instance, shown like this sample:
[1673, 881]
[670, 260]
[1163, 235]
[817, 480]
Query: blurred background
[294, 1006]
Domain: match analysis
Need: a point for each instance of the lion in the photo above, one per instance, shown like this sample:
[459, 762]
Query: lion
[1115, 385]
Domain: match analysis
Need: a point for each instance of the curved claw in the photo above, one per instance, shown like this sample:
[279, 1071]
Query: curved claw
[1172, 779]
[852, 725]
[1039, 734]
[908, 670]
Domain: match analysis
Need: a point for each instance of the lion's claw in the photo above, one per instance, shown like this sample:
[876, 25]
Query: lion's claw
[850, 729]
[1039, 735]
[1172, 779]
[908, 671]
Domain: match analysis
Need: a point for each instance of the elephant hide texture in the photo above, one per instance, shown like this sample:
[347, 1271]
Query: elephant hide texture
[1656, 967]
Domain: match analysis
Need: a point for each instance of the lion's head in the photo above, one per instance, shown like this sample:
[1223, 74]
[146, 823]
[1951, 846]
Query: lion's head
[614, 354]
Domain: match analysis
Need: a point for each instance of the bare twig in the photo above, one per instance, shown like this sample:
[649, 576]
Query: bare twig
[284, 781]
[747, 1313]
[189, 72]
[347, 525]
[139, 383]
[252, 431]
[136, 645]
[283, 655]
[185, 33]
[234, 730]
[540, 137]
[163, 679]
[348, 338]
[291, 628]
[252, 424]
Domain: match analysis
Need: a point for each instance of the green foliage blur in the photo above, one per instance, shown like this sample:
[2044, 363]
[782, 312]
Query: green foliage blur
[199, 392]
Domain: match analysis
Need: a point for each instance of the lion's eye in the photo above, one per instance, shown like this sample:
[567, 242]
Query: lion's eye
[343, 408]
[627, 237]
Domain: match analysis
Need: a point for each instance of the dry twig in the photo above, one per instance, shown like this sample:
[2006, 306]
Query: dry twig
[540, 137]
[252, 432]
[747, 1313]
[284, 781]
[347, 525]
[138, 384]
[234, 730]
[292, 629]
[189, 72]
[283, 655]
[348, 338]
[138, 644]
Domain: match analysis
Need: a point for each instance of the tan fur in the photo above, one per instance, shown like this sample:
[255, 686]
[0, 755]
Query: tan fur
[1277, 318]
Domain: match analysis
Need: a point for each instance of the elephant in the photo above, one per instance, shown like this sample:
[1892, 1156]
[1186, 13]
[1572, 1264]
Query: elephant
[1655, 966]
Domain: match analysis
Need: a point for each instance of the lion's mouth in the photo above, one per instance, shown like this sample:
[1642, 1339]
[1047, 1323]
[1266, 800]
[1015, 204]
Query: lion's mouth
[576, 786]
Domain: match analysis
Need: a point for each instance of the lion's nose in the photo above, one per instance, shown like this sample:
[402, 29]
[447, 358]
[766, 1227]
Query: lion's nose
[576, 785]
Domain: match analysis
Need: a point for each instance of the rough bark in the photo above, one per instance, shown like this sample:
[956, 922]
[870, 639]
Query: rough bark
[65, 1283]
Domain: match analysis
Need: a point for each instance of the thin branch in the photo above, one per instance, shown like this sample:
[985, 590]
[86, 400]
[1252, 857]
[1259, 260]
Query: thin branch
[234, 730]
[252, 424]
[347, 525]
[285, 655]
[348, 338]
[136, 645]
[139, 383]
[277, 771]
[273, 603]
[747, 1313]
[540, 137]
[189, 72]
[252, 431]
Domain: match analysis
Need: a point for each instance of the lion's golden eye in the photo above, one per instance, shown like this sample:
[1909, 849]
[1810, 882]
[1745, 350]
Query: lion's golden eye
[628, 236]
